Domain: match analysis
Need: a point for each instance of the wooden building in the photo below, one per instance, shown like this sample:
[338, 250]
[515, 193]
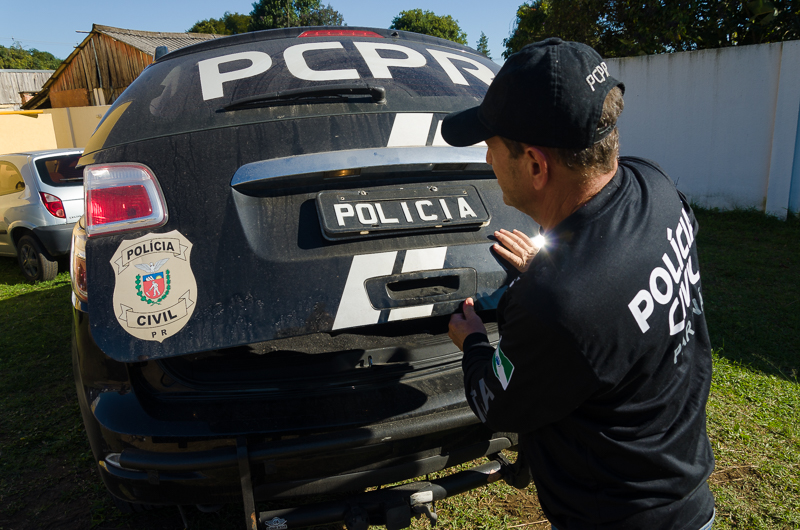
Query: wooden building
[104, 64]
[16, 86]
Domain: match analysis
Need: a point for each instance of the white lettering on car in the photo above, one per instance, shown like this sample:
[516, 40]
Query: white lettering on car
[379, 66]
[366, 207]
[464, 209]
[372, 213]
[342, 211]
[445, 209]
[445, 59]
[296, 63]
[211, 80]
[407, 212]
[382, 217]
[421, 212]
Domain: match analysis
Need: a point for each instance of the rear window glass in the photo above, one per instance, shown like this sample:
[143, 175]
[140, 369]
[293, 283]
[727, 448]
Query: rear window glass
[60, 171]
[194, 90]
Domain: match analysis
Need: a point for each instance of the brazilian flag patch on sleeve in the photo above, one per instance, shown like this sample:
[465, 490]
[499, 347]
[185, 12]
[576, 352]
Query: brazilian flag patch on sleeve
[502, 367]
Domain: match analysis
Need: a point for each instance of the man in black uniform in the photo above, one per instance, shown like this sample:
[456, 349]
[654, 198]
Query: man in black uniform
[604, 362]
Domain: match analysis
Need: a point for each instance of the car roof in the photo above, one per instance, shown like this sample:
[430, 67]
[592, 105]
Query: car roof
[294, 32]
[205, 82]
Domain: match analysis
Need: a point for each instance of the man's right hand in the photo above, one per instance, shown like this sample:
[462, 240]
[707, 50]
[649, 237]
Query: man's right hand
[465, 323]
[516, 248]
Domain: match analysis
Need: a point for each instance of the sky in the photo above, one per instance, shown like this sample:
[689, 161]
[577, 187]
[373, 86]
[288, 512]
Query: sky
[52, 25]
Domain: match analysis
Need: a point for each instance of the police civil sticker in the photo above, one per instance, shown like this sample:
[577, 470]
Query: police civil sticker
[155, 289]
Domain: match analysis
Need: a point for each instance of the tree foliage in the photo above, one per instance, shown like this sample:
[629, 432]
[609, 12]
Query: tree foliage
[427, 22]
[483, 45]
[269, 14]
[619, 28]
[229, 24]
[18, 58]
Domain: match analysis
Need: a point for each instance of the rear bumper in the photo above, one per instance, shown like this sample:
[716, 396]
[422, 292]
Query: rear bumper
[196, 483]
[55, 239]
[148, 455]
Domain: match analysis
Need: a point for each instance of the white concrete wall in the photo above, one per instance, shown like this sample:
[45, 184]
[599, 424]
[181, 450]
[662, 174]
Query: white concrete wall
[723, 123]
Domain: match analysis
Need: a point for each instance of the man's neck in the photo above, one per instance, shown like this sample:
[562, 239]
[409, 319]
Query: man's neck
[570, 192]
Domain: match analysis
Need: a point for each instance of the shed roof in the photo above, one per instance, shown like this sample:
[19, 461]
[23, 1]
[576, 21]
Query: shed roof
[148, 41]
[12, 82]
[145, 41]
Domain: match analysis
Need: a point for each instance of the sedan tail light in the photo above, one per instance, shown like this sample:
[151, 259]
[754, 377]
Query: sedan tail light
[53, 204]
[122, 197]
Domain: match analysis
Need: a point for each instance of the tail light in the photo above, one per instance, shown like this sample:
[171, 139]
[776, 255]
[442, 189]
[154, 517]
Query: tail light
[53, 204]
[122, 197]
[77, 262]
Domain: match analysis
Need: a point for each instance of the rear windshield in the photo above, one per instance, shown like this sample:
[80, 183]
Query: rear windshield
[197, 90]
[60, 171]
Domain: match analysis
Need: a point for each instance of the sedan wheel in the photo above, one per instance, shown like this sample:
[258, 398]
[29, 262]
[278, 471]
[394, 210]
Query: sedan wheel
[35, 265]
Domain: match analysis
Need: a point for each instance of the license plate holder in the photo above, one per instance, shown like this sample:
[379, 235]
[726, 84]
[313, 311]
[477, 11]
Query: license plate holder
[417, 208]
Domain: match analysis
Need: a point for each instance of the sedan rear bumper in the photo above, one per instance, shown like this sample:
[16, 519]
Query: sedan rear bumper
[55, 239]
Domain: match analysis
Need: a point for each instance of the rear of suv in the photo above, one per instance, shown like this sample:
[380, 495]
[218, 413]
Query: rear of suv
[275, 237]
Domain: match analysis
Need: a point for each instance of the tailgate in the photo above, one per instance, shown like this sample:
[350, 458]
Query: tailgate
[266, 260]
[288, 219]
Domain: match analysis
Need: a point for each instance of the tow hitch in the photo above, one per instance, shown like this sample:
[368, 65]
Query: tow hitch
[392, 507]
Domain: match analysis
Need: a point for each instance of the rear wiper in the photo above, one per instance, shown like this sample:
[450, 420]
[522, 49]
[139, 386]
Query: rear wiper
[335, 92]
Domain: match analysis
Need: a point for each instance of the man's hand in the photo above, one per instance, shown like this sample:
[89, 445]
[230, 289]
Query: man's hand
[464, 325]
[517, 248]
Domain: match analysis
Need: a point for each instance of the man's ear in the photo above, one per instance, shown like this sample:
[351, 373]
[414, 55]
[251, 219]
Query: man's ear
[537, 166]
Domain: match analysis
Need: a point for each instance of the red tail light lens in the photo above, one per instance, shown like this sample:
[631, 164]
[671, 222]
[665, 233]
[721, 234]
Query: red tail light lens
[339, 33]
[122, 197]
[53, 204]
[110, 205]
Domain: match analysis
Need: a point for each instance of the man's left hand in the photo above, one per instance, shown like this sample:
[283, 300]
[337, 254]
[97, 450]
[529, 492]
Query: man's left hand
[462, 325]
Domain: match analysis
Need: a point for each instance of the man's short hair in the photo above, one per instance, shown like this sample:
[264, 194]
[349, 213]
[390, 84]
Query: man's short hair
[597, 159]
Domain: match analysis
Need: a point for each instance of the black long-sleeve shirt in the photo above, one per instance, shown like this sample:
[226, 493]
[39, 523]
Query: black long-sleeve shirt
[604, 362]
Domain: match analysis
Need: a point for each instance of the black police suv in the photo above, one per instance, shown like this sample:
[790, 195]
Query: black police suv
[274, 238]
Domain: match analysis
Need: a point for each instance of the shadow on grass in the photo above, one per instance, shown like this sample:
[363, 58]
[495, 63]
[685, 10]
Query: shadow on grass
[749, 265]
[10, 273]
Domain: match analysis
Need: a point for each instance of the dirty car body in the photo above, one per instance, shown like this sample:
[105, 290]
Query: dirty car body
[275, 237]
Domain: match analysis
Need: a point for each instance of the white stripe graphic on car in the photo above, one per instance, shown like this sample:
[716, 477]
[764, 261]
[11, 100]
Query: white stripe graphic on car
[423, 259]
[410, 130]
[354, 307]
[438, 141]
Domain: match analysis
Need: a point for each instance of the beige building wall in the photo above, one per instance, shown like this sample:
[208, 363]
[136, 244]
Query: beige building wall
[50, 129]
[26, 132]
[74, 126]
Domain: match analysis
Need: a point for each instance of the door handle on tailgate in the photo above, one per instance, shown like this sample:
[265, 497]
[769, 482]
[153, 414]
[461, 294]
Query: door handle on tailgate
[421, 287]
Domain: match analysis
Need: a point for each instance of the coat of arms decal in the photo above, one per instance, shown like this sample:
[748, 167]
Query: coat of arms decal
[153, 301]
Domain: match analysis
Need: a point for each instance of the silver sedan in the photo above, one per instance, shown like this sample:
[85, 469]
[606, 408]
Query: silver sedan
[41, 198]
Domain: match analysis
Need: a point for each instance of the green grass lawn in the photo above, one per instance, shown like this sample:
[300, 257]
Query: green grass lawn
[750, 266]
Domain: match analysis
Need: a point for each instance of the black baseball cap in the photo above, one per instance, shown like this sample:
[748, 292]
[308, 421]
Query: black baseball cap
[549, 94]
